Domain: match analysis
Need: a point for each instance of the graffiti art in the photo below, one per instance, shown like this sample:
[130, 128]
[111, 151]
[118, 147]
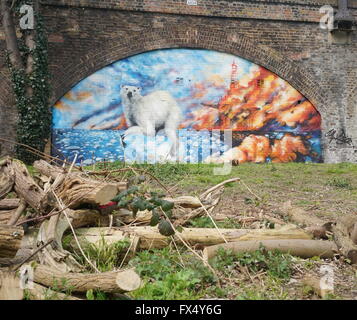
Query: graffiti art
[181, 105]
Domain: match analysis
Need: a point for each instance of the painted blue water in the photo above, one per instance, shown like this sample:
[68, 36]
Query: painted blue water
[92, 146]
[107, 145]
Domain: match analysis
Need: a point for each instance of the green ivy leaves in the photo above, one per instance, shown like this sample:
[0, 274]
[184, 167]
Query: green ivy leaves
[134, 200]
[34, 124]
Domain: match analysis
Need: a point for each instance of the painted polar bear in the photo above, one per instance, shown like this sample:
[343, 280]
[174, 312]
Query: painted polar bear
[151, 113]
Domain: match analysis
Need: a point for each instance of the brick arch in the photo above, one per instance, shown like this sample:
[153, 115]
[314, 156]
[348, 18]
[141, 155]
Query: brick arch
[174, 37]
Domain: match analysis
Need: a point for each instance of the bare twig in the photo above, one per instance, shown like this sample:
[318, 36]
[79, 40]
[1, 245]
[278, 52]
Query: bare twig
[255, 195]
[74, 233]
[190, 249]
[214, 223]
[33, 254]
[207, 192]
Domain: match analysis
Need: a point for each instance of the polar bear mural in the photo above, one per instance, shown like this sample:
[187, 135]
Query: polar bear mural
[150, 113]
[179, 105]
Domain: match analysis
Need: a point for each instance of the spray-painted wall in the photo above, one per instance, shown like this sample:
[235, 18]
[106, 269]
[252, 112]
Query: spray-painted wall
[135, 108]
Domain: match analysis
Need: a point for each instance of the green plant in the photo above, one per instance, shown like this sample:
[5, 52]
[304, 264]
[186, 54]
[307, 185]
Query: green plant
[206, 222]
[105, 256]
[274, 263]
[174, 286]
[170, 275]
[134, 199]
[57, 287]
[34, 124]
[339, 182]
[96, 295]
[271, 290]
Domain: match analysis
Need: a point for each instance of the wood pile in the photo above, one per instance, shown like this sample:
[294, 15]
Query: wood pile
[37, 210]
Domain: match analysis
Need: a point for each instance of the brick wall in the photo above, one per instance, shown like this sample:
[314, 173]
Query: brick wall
[283, 36]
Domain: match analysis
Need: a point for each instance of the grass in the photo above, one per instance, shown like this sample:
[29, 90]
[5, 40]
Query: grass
[105, 256]
[169, 275]
[206, 222]
[340, 182]
[274, 263]
[325, 190]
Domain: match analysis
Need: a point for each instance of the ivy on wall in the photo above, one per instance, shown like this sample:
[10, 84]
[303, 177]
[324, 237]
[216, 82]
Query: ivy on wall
[31, 88]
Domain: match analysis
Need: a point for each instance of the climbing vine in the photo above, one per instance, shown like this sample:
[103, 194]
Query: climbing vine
[32, 89]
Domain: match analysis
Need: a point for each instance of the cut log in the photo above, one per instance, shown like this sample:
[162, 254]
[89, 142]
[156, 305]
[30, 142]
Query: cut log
[28, 190]
[10, 289]
[10, 240]
[87, 218]
[17, 213]
[110, 282]
[48, 170]
[344, 242]
[5, 216]
[39, 292]
[320, 232]
[124, 216]
[300, 216]
[296, 247]
[349, 224]
[316, 226]
[10, 217]
[9, 204]
[26, 251]
[186, 202]
[151, 238]
[77, 190]
[54, 255]
[10, 286]
[7, 178]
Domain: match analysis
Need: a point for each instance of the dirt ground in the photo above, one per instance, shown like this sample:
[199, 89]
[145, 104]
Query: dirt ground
[324, 190]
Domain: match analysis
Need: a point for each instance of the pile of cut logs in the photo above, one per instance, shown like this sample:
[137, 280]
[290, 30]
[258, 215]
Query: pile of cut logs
[37, 210]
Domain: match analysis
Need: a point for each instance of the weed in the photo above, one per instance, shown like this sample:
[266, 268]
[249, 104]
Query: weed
[274, 263]
[57, 287]
[170, 275]
[271, 290]
[339, 182]
[105, 256]
[206, 222]
[96, 295]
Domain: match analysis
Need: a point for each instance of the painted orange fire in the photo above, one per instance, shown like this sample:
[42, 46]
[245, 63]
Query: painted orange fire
[251, 103]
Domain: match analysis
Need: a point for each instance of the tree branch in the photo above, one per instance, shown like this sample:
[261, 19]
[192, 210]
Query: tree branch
[10, 36]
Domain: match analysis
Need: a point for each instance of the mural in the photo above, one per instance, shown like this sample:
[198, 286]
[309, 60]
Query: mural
[181, 104]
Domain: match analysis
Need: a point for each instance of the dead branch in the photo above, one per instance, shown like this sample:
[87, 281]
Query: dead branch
[296, 247]
[17, 214]
[344, 241]
[151, 238]
[77, 190]
[9, 204]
